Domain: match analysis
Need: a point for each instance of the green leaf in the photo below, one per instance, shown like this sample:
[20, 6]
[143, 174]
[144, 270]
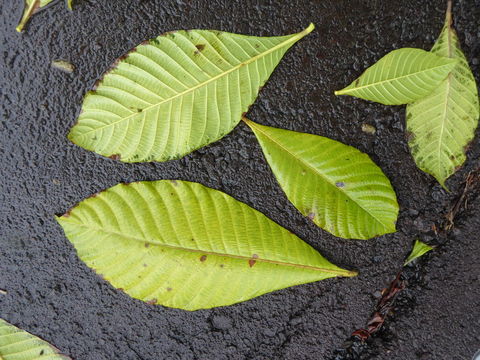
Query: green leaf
[31, 7]
[174, 94]
[183, 245]
[338, 187]
[70, 4]
[400, 77]
[442, 124]
[17, 344]
[419, 248]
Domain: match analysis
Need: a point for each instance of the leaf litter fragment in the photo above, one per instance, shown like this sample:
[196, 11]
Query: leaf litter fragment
[419, 249]
[32, 7]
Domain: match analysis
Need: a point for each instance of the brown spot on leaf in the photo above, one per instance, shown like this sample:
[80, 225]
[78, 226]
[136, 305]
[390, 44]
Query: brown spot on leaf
[145, 265]
[96, 85]
[200, 47]
[152, 301]
[169, 289]
[410, 136]
[115, 157]
[251, 262]
[147, 245]
[203, 258]
[254, 256]
[222, 266]
[340, 184]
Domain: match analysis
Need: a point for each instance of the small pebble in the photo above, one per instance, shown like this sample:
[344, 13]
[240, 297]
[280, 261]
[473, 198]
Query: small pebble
[412, 212]
[63, 65]
[369, 129]
[221, 322]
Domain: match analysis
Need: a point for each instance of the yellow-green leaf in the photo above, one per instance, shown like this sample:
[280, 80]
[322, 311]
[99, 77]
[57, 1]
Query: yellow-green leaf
[183, 245]
[400, 77]
[17, 344]
[442, 124]
[419, 249]
[70, 4]
[176, 93]
[338, 187]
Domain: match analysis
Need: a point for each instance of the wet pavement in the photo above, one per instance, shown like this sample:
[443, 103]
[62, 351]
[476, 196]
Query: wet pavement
[52, 294]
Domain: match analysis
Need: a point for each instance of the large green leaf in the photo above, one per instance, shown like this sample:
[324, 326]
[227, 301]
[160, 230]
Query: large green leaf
[17, 344]
[174, 94]
[442, 124]
[183, 245]
[419, 249]
[400, 77]
[338, 187]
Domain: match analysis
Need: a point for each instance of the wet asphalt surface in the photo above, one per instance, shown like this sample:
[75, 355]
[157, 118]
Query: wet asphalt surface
[54, 295]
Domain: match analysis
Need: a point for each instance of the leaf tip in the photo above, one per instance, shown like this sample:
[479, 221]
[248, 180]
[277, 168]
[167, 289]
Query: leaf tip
[448, 13]
[350, 273]
[309, 28]
[72, 136]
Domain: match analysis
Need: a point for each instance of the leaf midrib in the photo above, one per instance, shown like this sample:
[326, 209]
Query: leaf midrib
[447, 97]
[294, 38]
[307, 164]
[346, 273]
[378, 83]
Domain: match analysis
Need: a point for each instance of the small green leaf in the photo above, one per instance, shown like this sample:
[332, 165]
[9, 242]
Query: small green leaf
[70, 4]
[418, 250]
[17, 344]
[183, 245]
[400, 77]
[31, 7]
[176, 93]
[442, 124]
[338, 187]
